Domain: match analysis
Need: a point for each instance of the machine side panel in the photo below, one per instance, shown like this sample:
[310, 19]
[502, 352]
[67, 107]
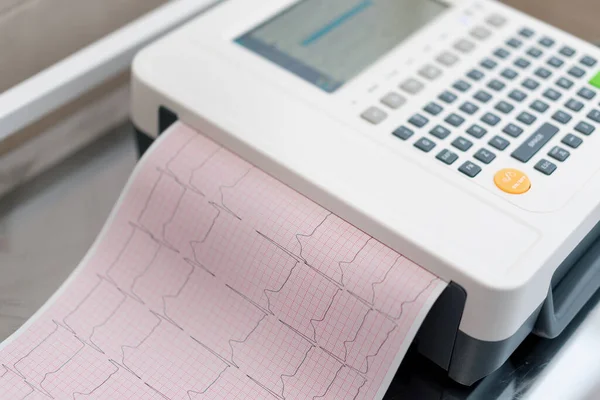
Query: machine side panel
[474, 359]
[437, 335]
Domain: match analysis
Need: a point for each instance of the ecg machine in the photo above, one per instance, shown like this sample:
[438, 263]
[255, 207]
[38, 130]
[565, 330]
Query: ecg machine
[463, 134]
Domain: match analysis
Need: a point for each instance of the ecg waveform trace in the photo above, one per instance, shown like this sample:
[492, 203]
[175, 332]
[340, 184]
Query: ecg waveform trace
[213, 280]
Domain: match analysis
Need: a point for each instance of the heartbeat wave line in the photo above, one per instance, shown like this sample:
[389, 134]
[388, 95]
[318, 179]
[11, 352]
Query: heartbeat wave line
[168, 166]
[189, 392]
[283, 376]
[94, 390]
[82, 325]
[44, 390]
[31, 388]
[299, 235]
[313, 320]
[373, 284]
[232, 186]
[352, 260]
[244, 340]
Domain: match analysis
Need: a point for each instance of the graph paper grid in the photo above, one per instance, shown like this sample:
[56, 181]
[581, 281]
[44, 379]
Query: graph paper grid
[212, 280]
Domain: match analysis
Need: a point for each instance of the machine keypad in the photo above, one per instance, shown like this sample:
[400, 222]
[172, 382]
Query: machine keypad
[464, 46]
[565, 83]
[539, 106]
[448, 97]
[411, 86]
[461, 86]
[425, 144]
[496, 85]
[499, 143]
[496, 20]
[470, 169]
[510, 74]
[522, 63]
[480, 32]
[447, 157]
[572, 141]
[447, 59]
[440, 132]
[418, 120]
[562, 117]
[504, 107]
[430, 72]
[559, 154]
[475, 75]
[546, 42]
[403, 133]
[502, 53]
[455, 120]
[491, 119]
[517, 95]
[524, 92]
[585, 128]
[526, 32]
[482, 96]
[574, 105]
[530, 84]
[588, 61]
[586, 93]
[555, 62]
[594, 115]
[512, 130]
[567, 51]
[485, 156]
[552, 94]
[469, 108]
[477, 131]
[535, 52]
[462, 144]
[489, 64]
[514, 43]
[576, 72]
[433, 108]
[543, 73]
[374, 115]
[393, 100]
[526, 118]
[545, 167]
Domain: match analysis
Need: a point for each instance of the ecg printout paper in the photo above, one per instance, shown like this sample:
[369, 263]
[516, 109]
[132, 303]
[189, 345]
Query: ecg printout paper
[212, 280]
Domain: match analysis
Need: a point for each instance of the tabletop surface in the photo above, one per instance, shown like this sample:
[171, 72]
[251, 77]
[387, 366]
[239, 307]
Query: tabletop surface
[47, 226]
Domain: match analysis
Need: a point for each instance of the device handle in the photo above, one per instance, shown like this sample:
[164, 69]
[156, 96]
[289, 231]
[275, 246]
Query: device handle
[571, 294]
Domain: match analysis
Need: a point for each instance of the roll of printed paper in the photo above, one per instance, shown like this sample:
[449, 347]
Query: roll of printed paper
[213, 280]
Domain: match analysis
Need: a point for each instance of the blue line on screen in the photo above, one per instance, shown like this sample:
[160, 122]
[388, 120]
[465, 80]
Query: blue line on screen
[360, 7]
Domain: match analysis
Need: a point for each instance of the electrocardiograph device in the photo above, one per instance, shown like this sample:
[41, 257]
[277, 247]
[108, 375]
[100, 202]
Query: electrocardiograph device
[463, 134]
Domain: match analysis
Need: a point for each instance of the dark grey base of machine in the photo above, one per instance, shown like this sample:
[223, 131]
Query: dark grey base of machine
[469, 360]
[466, 359]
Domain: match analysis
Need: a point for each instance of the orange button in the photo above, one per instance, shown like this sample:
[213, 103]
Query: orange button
[512, 181]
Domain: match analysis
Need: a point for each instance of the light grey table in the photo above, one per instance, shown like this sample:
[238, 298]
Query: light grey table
[47, 226]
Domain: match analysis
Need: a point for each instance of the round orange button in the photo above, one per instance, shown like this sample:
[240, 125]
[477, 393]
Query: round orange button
[512, 181]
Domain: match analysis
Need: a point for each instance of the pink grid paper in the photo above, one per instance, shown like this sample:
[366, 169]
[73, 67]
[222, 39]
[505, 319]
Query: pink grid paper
[212, 280]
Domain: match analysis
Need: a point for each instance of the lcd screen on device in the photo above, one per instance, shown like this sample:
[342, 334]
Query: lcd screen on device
[328, 42]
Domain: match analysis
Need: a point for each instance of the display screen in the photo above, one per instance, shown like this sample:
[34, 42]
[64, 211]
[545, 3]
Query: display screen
[328, 42]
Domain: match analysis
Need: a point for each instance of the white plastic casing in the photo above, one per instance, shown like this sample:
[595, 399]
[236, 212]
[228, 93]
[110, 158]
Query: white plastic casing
[502, 249]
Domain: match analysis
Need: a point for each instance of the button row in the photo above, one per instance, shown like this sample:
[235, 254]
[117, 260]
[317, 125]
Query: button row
[393, 100]
[536, 141]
